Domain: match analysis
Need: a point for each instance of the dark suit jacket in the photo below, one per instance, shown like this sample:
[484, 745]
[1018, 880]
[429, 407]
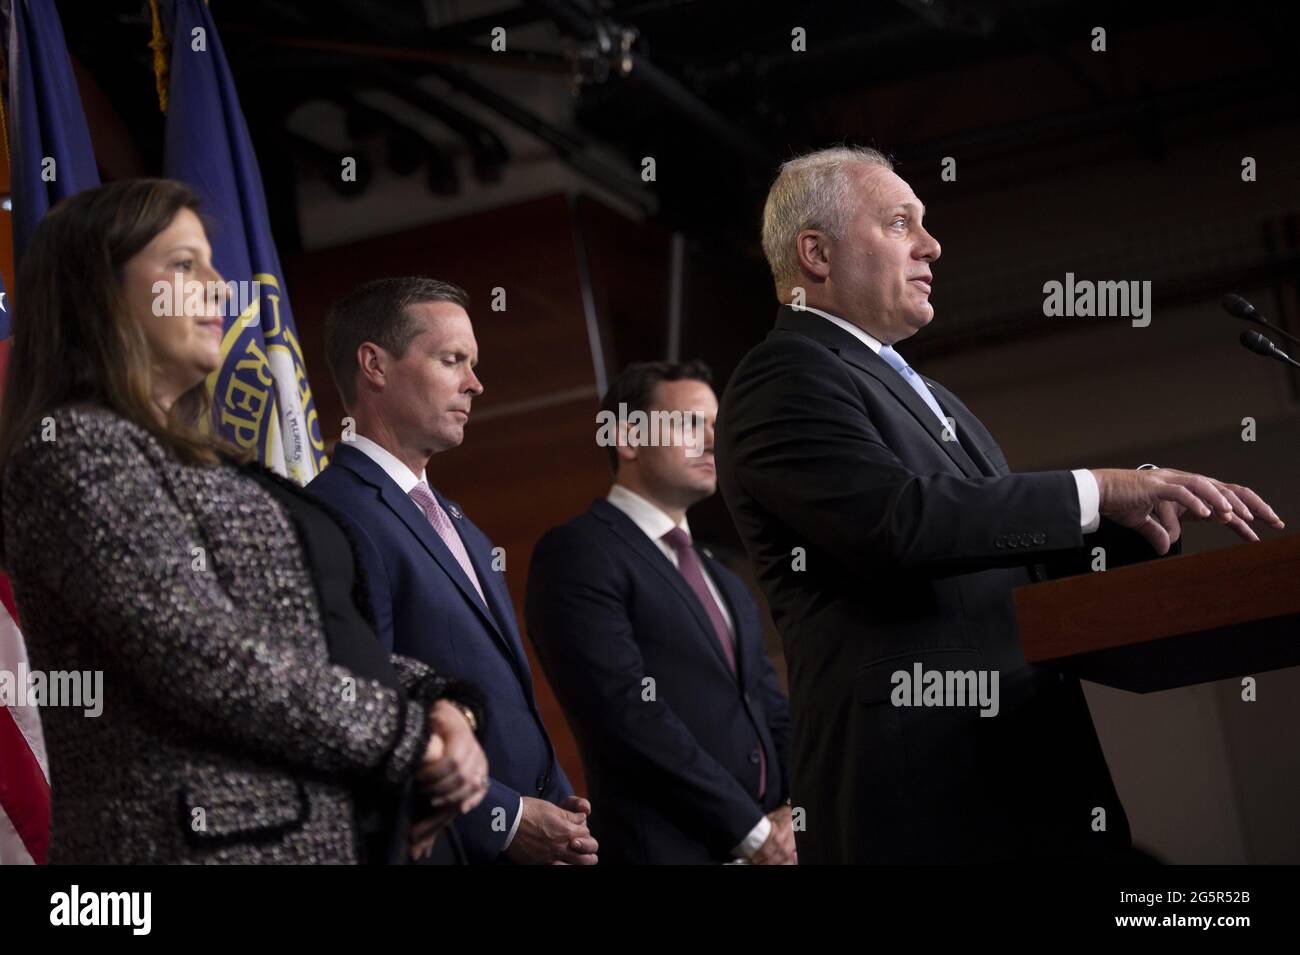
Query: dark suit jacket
[673, 779]
[223, 702]
[426, 607]
[880, 545]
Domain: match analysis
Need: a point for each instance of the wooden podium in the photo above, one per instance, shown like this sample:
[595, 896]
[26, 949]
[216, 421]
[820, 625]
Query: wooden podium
[1170, 622]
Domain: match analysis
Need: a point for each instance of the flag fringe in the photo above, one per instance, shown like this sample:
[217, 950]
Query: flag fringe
[158, 43]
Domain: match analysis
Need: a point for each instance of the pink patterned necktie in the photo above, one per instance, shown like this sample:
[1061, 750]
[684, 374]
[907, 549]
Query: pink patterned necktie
[688, 562]
[423, 496]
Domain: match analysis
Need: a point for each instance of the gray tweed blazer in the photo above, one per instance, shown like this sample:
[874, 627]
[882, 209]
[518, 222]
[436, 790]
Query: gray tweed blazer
[226, 734]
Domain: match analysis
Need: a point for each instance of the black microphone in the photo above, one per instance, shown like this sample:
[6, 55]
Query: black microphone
[1238, 307]
[1262, 346]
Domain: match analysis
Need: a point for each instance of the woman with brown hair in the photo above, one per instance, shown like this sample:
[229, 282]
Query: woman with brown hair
[249, 713]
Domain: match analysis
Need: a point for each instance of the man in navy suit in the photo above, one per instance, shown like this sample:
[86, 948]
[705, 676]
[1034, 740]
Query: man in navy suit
[402, 352]
[655, 649]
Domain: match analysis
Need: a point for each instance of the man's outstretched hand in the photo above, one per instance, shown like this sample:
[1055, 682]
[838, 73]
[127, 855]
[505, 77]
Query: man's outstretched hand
[1155, 502]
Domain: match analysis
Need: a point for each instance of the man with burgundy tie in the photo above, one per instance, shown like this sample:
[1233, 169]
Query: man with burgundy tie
[402, 353]
[655, 649]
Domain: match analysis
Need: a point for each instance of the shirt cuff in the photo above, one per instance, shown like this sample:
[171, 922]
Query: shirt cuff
[515, 828]
[754, 841]
[1089, 500]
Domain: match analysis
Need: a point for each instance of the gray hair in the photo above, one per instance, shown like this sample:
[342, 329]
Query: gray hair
[813, 191]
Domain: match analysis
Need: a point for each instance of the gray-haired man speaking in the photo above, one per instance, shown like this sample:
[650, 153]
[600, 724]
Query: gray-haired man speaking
[888, 533]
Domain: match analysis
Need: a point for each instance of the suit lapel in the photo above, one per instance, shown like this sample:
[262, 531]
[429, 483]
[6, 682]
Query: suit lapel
[727, 592]
[972, 447]
[970, 432]
[860, 356]
[493, 582]
[625, 528]
[418, 524]
[864, 358]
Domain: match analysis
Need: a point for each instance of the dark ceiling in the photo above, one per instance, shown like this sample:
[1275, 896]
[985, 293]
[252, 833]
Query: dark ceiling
[713, 90]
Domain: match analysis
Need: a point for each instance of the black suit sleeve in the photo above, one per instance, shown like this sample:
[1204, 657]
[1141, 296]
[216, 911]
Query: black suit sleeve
[800, 441]
[1121, 545]
[576, 619]
[777, 709]
[772, 705]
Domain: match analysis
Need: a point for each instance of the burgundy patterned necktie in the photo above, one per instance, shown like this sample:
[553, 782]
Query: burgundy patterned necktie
[423, 496]
[688, 562]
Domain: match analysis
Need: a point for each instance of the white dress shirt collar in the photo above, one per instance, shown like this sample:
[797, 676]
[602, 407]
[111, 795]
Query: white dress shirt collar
[402, 476]
[849, 327]
[653, 522]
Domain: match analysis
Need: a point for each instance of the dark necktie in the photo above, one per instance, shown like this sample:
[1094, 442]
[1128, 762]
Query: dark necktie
[688, 562]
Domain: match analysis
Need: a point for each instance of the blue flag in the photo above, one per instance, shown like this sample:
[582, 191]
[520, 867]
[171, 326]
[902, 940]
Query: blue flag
[260, 392]
[50, 153]
[5, 325]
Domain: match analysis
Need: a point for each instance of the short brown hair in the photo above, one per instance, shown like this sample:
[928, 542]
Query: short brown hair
[376, 312]
[635, 387]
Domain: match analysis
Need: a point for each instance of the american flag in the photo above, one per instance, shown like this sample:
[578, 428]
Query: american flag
[24, 774]
[44, 122]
